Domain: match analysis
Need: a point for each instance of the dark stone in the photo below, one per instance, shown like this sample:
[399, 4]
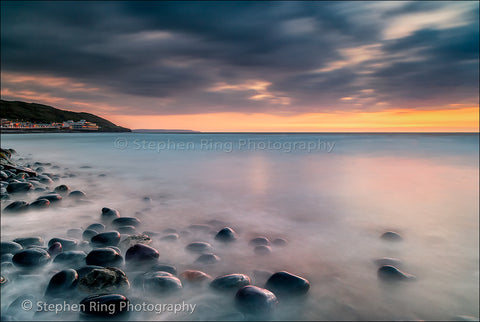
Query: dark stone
[169, 231]
[67, 244]
[280, 242]
[165, 268]
[262, 250]
[44, 179]
[71, 258]
[88, 234]
[30, 258]
[195, 277]
[52, 197]
[109, 213]
[99, 228]
[255, 300]
[126, 221]
[62, 189]
[140, 253]
[16, 206]
[388, 261]
[199, 247]
[77, 194]
[391, 236]
[129, 230]
[207, 259]
[230, 282]
[111, 238]
[40, 204]
[162, 285]
[16, 187]
[104, 280]
[62, 282]
[29, 241]
[117, 305]
[9, 247]
[75, 233]
[259, 241]
[55, 249]
[104, 257]
[170, 237]
[84, 270]
[391, 273]
[287, 284]
[226, 235]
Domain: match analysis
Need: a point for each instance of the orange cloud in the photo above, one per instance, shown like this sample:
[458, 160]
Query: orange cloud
[401, 120]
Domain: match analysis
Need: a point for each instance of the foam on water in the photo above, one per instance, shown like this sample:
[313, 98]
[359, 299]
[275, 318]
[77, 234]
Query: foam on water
[332, 208]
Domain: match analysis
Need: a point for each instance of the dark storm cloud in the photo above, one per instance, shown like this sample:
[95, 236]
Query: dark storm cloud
[177, 52]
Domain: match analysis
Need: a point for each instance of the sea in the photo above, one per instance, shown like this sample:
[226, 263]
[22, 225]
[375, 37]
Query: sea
[329, 195]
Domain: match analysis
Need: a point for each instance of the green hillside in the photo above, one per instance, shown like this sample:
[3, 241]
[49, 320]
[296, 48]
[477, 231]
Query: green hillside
[38, 113]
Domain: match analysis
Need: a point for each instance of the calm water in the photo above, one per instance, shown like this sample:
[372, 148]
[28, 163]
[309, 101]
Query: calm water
[330, 195]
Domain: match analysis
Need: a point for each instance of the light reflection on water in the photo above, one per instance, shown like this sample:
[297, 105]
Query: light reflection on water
[332, 207]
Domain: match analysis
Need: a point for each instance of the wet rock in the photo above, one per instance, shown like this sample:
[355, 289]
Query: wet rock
[115, 304]
[77, 194]
[111, 238]
[16, 207]
[169, 231]
[170, 237]
[62, 189]
[55, 249]
[253, 300]
[17, 309]
[30, 258]
[259, 241]
[29, 241]
[52, 197]
[199, 247]
[19, 187]
[165, 268]
[162, 285]
[67, 244]
[226, 235]
[391, 273]
[99, 228]
[195, 277]
[207, 259]
[84, 270]
[62, 282]
[287, 284]
[129, 230]
[9, 247]
[104, 280]
[115, 248]
[388, 261]
[135, 239]
[391, 236]
[88, 234]
[279, 242]
[40, 204]
[71, 258]
[104, 257]
[230, 282]
[44, 179]
[126, 221]
[74, 233]
[109, 213]
[262, 250]
[141, 254]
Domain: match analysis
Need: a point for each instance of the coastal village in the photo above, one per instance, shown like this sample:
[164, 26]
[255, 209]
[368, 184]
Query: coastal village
[81, 125]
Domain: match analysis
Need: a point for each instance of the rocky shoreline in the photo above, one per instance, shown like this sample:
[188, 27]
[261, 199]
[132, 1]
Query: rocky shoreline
[106, 269]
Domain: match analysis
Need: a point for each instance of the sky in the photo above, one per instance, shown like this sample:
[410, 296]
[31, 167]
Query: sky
[249, 66]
